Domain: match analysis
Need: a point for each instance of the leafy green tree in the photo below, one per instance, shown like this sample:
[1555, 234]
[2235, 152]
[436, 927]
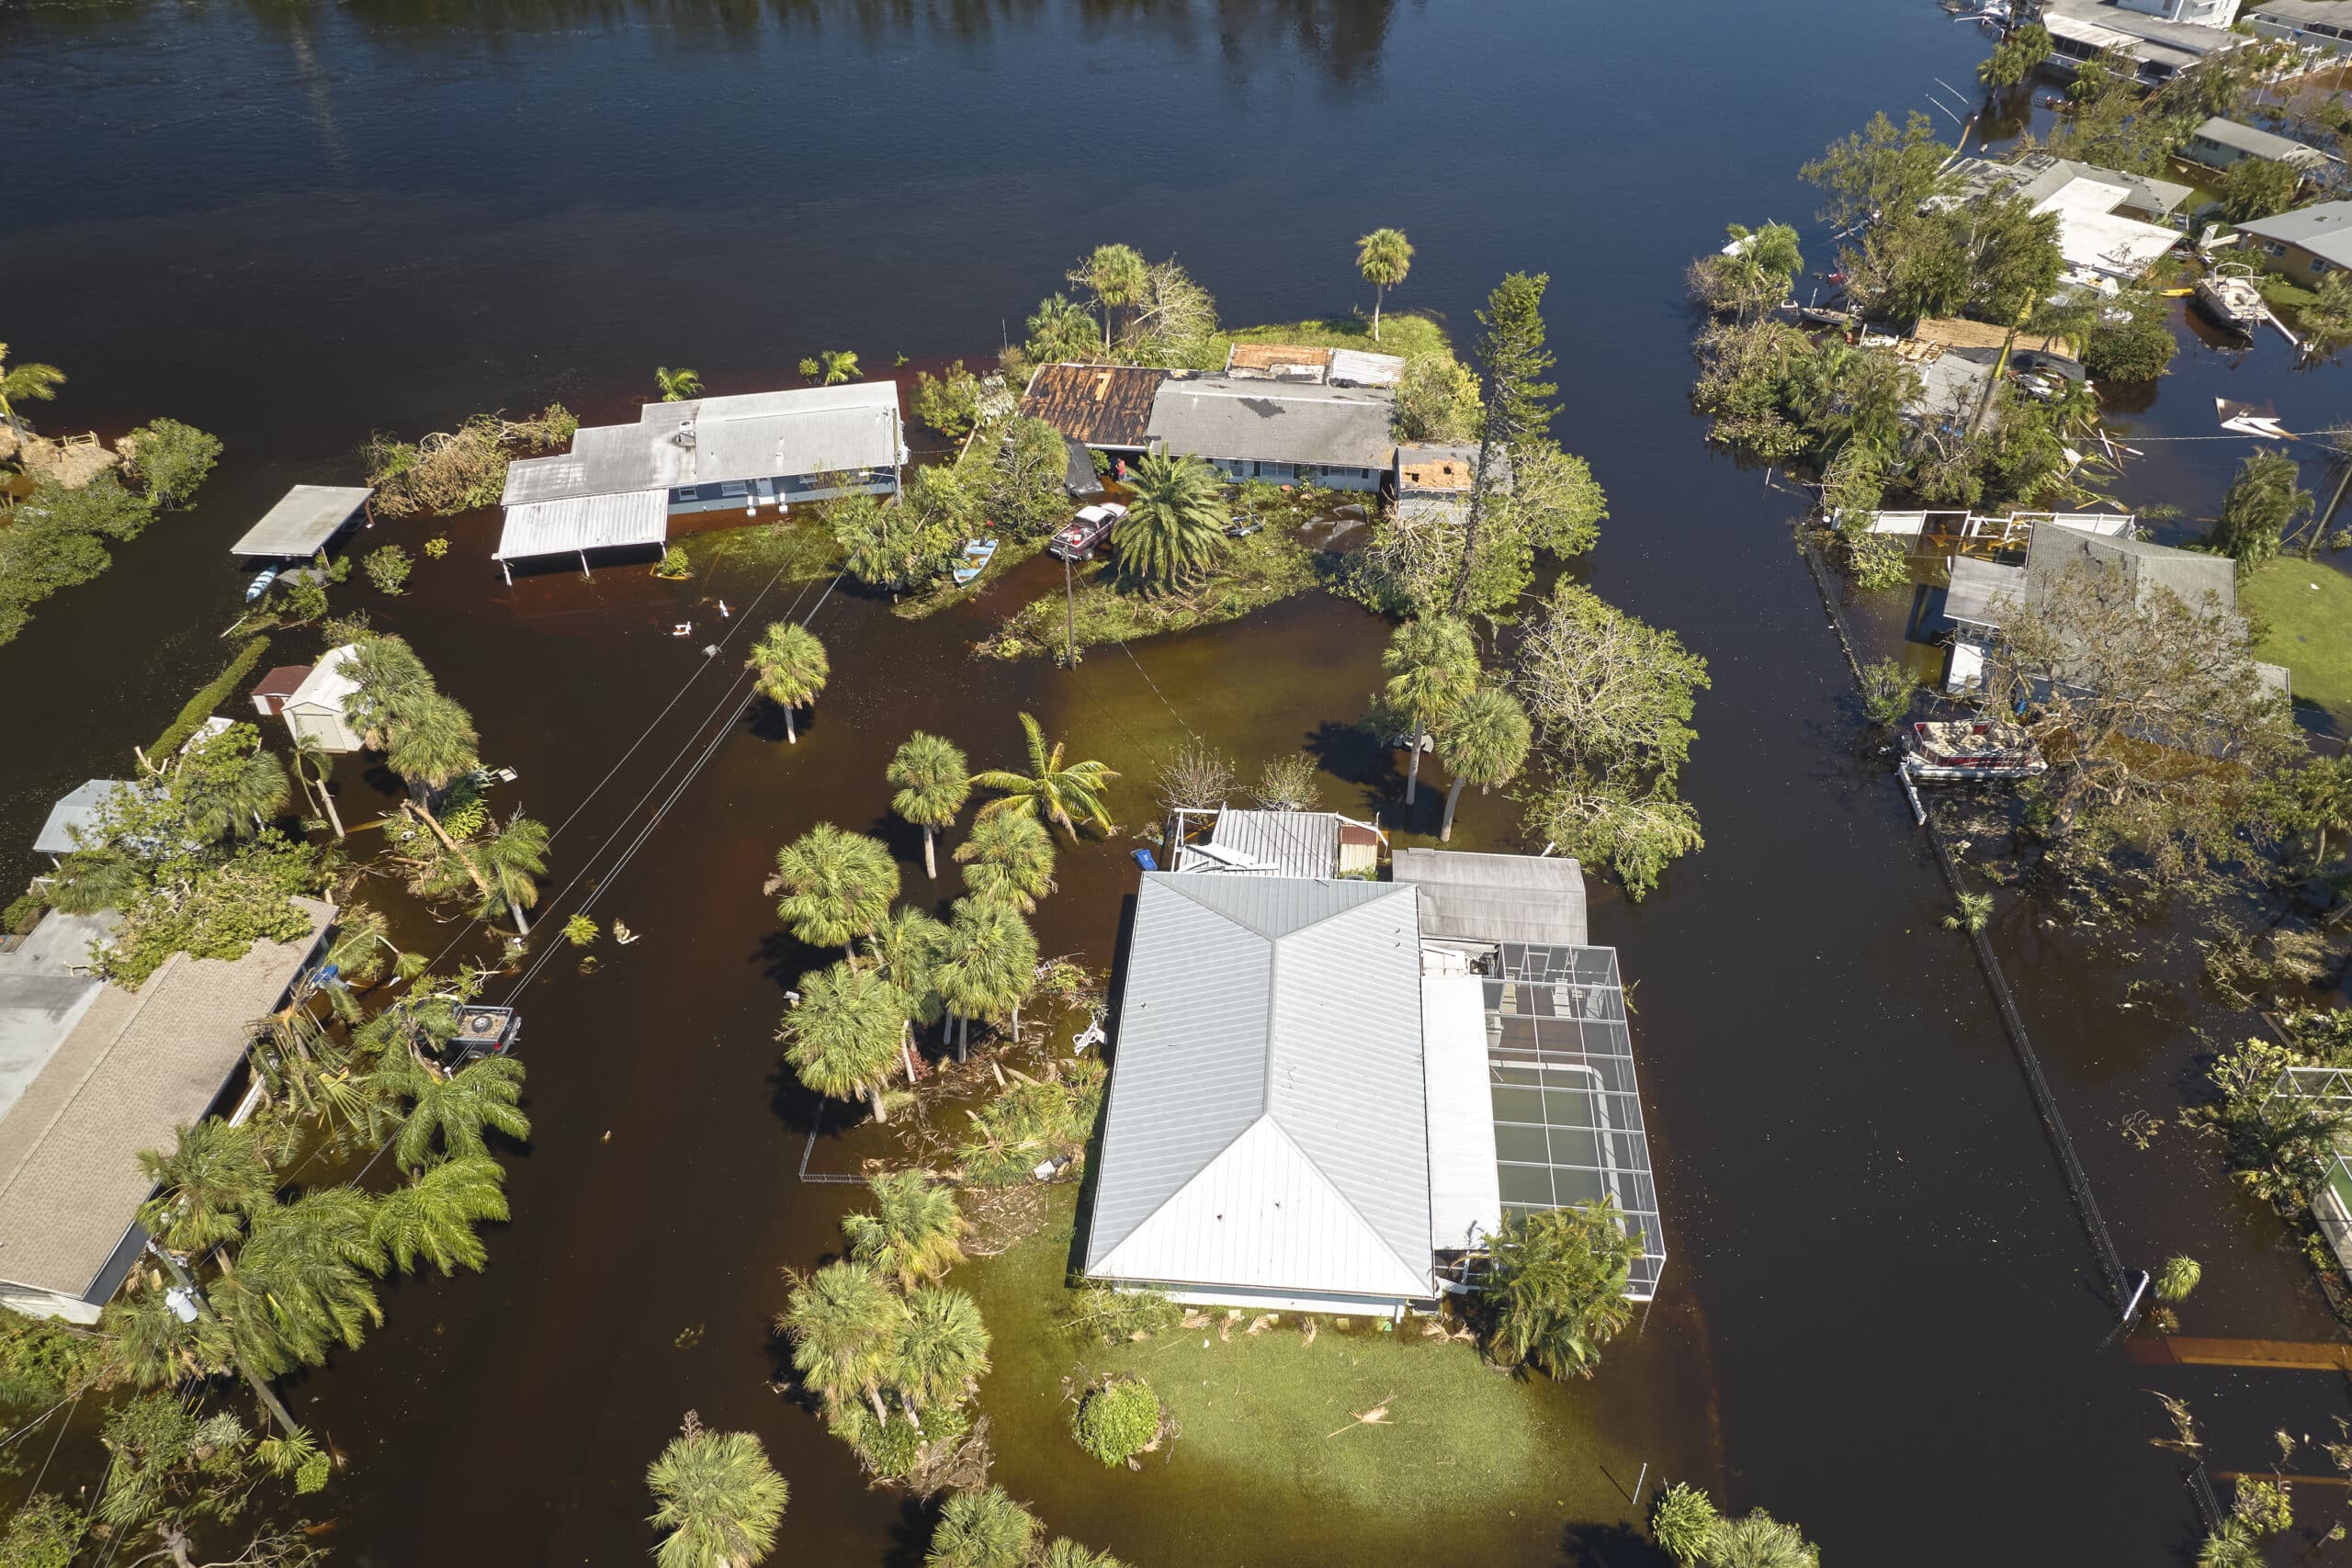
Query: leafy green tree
[2265, 501]
[450, 1116]
[1886, 692]
[2179, 1276]
[676, 386]
[1115, 276]
[2326, 320]
[1482, 741]
[981, 1530]
[1009, 860]
[1515, 407]
[842, 1036]
[2140, 347]
[28, 382]
[943, 1348]
[214, 1176]
[2320, 802]
[388, 567]
[226, 786]
[1056, 792]
[1117, 1421]
[845, 1323]
[950, 403]
[431, 1217]
[1060, 330]
[2019, 54]
[169, 459]
[1175, 522]
[1437, 400]
[716, 1498]
[1753, 274]
[915, 1234]
[986, 965]
[1684, 1521]
[2258, 188]
[934, 780]
[1432, 666]
[1024, 478]
[45, 1531]
[791, 668]
[1880, 170]
[901, 543]
[1384, 257]
[836, 885]
[1555, 1287]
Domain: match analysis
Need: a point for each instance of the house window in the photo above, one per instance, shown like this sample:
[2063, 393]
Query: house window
[2272, 248]
[2319, 264]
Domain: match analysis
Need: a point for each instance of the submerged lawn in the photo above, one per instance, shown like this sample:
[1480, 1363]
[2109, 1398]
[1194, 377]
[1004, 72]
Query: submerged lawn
[1403, 335]
[2305, 610]
[1269, 1465]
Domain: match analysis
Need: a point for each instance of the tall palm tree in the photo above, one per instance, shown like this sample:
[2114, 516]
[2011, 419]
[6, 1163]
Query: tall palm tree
[914, 1234]
[677, 385]
[1115, 274]
[904, 947]
[511, 862]
[214, 1176]
[156, 1346]
[1052, 790]
[844, 1322]
[846, 1033]
[717, 1497]
[387, 676]
[1432, 664]
[432, 1215]
[1009, 860]
[226, 796]
[944, 1346]
[791, 668]
[303, 1282]
[450, 1117]
[1175, 521]
[981, 1530]
[430, 742]
[987, 967]
[1483, 742]
[30, 382]
[934, 780]
[1384, 256]
[836, 885]
[314, 764]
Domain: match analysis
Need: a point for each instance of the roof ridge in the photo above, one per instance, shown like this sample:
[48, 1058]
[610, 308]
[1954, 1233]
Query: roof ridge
[1341, 1194]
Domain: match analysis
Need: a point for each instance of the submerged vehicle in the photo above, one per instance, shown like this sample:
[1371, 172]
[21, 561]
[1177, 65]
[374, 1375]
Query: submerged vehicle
[1961, 748]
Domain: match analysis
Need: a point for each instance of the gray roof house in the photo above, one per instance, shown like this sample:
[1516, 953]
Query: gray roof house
[1282, 431]
[79, 809]
[2163, 45]
[1479, 897]
[2306, 241]
[2318, 24]
[2038, 177]
[2220, 142]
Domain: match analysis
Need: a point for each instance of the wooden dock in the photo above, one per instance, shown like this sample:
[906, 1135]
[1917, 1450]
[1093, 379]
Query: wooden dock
[2332, 1356]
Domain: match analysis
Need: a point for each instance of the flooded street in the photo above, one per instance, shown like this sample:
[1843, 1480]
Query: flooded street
[294, 226]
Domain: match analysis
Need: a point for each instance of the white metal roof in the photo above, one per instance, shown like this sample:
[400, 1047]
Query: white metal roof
[1354, 368]
[809, 430]
[1465, 1194]
[2094, 238]
[301, 523]
[326, 685]
[1268, 844]
[584, 523]
[1483, 898]
[79, 809]
[1266, 1127]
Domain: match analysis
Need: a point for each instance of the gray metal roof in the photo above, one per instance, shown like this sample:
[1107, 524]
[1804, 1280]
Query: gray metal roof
[2302, 13]
[1272, 1025]
[1355, 368]
[301, 523]
[809, 430]
[1983, 593]
[79, 809]
[1268, 843]
[2259, 143]
[2038, 177]
[1483, 898]
[2324, 229]
[586, 523]
[1246, 419]
[2145, 37]
[2189, 576]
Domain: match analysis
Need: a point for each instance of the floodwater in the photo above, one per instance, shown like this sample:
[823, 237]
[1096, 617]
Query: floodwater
[295, 224]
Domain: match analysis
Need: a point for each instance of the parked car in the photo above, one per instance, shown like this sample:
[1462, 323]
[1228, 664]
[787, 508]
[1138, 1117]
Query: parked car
[1087, 531]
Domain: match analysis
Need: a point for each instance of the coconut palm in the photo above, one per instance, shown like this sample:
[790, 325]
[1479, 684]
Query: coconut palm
[914, 1234]
[450, 1117]
[510, 862]
[904, 947]
[226, 795]
[791, 668]
[214, 1176]
[1052, 791]
[30, 382]
[388, 676]
[836, 885]
[1483, 742]
[845, 1033]
[677, 385]
[986, 966]
[934, 780]
[981, 1530]
[1384, 256]
[314, 765]
[1432, 664]
[717, 1497]
[430, 741]
[1175, 521]
[943, 1348]
[2179, 1276]
[303, 1281]
[1760, 1541]
[831, 367]
[1115, 274]
[845, 1323]
[432, 1216]
[1008, 860]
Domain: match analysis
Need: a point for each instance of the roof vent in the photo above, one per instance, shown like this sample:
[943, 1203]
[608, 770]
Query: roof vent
[685, 436]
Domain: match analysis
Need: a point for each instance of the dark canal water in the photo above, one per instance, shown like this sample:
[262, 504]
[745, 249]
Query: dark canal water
[295, 223]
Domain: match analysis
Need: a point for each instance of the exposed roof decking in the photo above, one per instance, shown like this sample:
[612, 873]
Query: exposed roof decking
[1448, 470]
[1100, 405]
[1275, 358]
[1274, 421]
[1484, 897]
[302, 522]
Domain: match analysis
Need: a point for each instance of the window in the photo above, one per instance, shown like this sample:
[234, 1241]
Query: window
[2319, 264]
[2273, 248]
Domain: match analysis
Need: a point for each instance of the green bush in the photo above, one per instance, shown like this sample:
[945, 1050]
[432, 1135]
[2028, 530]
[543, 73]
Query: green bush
[389, 568]
[42, 1360]
[1117, 1421]
[43, 1533]
[54, 538]
[169, 459]
[2139, 349]
[199, 707]
[893, 1449]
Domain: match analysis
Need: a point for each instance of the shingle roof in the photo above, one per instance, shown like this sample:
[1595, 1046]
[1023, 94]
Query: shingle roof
[1246, 421]
[1267, 1124]
[2054, 552]
[301, 523]
[2324, 229]
[1465, 897]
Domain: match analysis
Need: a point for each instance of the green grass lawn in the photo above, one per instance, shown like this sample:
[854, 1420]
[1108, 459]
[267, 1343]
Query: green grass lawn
[2305, 610]
[1401, 335]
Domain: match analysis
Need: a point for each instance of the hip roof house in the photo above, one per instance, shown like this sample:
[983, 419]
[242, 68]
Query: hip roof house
[1285, 432]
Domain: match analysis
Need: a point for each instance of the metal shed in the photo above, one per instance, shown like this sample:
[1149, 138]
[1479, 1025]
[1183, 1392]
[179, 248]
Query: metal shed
[302, 522]
[315, 711]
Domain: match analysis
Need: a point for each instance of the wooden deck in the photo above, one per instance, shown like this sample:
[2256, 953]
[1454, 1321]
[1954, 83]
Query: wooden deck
[2332, 1356]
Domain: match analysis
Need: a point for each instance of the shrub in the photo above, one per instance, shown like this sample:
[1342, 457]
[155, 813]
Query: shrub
[580, 931]
[1886, 692]
[199, 707]
[949, 404]
[1117, 1421]
[674, 565]
[2179, 1276]
[45, 1532]
[43, 1360]
[437, 546]
[2137, 349]
[389, 568]
[1685, 1521]
[169, 459]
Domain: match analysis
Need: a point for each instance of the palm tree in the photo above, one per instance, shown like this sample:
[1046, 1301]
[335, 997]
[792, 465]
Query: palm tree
[430, 742]
[845, 1033]
[432, 1215]
[981, 1530]
[843, 1322]
[905, 945]
[987, 967]
[313, 763]
[1008, 860]
[30, 382]
[387, 677]
[1760, 1541]
[831, 367]
[511, 862]
[1115, 274]
[677, 385]
[456, 1111]
[222, 796]
[2232, 1545]
[1067, 1554]
[303, 1282]
[1555, 1286]
[1052, 791]
[1483, 742]
[943, 1348]
[1175, 521]
[1432, 664]
[1384, 256]
[214, 1177]
[934, 780]
[156, 1346]
[791, 668]
[837, 885]
[914, 1234]
[718, 1496]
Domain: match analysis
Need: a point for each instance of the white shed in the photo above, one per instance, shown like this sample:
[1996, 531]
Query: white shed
[315, 712]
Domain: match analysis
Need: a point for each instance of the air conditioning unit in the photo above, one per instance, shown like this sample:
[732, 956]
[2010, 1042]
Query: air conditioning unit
[685, 436]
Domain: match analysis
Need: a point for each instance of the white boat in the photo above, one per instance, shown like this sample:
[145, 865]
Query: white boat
[2231, 299]
[1942, 750]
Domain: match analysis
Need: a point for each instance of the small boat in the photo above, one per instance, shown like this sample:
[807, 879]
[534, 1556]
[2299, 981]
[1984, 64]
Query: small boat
[260, 584]
[1087, 531]
[1959, 749]
[978, 553]
[2231, 299]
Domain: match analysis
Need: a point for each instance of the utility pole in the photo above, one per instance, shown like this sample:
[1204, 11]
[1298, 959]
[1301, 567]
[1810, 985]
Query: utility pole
[1070, 612]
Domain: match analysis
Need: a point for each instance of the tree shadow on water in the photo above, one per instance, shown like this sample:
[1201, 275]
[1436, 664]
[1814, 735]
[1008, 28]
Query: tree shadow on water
[1610, 1546]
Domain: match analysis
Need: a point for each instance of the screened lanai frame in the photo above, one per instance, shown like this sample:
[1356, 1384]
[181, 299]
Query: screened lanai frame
[1568, 1124]
[2332, 1203]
